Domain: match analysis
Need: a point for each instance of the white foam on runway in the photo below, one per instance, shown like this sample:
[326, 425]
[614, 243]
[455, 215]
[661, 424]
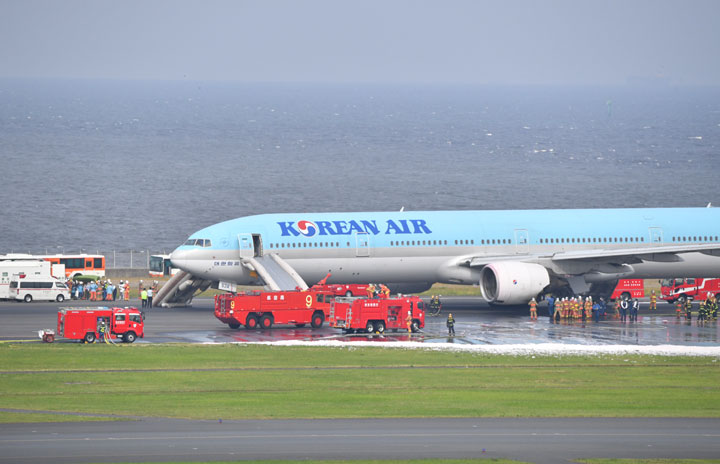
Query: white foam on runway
[542, 349]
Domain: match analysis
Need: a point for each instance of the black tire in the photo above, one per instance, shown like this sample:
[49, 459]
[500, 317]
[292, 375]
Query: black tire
[28, 298]
[370, 327]
[90, 337]
[129, 337]
[300, 325]
[317, 320]
[266, 321]
[234, 325]
[415, 326]
[682, 299]
[60, 298]
[251, 322]
[380, 326]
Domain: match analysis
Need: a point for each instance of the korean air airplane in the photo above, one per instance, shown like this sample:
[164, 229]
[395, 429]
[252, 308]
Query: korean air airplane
[511, 255]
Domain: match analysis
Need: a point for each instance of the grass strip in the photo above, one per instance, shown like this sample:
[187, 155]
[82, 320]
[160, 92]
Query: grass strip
[265, 382]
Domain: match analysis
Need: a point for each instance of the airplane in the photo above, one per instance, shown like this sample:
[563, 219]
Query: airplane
[512, 255]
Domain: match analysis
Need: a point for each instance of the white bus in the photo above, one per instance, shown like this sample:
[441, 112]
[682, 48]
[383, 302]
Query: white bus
[160, 266]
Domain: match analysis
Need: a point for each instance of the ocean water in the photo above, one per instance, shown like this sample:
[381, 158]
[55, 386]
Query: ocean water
[120, 165]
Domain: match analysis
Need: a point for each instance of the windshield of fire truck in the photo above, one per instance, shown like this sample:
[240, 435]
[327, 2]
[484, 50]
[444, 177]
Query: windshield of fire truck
[136, 318]
[667, 282]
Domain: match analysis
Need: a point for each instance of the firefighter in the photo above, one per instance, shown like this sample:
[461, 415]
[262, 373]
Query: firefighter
[702, 314]
[616, 307]
[557, 310]
[371, 290]
[103, 331]
[678, 308]
[688, 307]
[384, 291]
[533, 309]
[713, 306]
[653, 301]
[408, 322]
[450, 324]
[688, 315]
[588, 308]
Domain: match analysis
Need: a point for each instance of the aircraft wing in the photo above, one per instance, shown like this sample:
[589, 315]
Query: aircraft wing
[664, 253]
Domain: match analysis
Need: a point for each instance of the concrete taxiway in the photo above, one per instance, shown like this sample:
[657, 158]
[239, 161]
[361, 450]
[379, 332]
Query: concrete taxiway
[477, 323]
[537, 440]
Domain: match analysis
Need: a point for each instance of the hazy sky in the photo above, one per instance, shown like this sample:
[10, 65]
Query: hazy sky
[508, 42]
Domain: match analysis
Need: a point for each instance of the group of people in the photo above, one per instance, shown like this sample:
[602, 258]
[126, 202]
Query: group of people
[101, 290]
[707, 310]
[571, 308]
[378, 290]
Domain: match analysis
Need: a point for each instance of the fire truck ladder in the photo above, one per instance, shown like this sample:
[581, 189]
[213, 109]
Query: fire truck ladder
[275, 272]
[179, 290]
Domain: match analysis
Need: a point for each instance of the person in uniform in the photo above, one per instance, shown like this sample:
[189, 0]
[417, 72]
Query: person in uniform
[678, 308]
[408, 322]
[624, 305]
[588, 308]
[384, 291]
[557, 310]
[533, 309]
[370, 290]
[688, 307]
[634, 310]
[450, 324]
[551, 306]
[653, 301]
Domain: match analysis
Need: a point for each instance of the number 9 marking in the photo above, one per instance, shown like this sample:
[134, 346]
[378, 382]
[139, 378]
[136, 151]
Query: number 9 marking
[308, 300]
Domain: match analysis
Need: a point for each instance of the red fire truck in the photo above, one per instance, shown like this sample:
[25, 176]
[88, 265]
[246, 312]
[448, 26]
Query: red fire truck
[253, 309]
[125, 324]
[376, 314]
[629, 288]
[693, 288]
[340, 289]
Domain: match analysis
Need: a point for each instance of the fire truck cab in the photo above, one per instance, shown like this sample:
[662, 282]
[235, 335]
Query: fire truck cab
[264, 309]
[85, 324]
[377, 314]
[682, 289]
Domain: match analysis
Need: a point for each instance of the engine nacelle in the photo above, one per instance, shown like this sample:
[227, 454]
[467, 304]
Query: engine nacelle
[512, 282]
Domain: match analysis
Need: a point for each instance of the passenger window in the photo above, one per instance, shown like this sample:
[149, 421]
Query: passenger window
[119, 318]
[135, 318]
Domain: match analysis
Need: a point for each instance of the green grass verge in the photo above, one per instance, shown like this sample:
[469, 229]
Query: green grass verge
[649, 461]
[261, 382]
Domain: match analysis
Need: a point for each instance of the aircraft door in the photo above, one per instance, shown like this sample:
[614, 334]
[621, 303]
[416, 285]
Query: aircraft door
[656, 235]
[362, 244]
[522, 242]
[246, 244]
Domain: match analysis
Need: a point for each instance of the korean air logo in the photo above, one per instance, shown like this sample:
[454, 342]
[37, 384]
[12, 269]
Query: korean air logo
[307, 228]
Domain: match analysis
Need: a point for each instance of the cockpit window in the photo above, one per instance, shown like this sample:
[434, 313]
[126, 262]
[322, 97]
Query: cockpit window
[201, 242]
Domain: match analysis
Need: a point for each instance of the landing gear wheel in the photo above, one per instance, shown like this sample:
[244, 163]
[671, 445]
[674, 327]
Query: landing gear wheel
[90, 337]
[317, 320]
[266, 321]
[370, 327]
[380, 326]
[251, 322]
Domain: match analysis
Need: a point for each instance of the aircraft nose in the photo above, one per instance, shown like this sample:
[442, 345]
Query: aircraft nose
[182, 259]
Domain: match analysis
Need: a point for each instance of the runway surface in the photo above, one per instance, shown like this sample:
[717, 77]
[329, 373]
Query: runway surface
[538, 440]
[526, 439]
[477, 324]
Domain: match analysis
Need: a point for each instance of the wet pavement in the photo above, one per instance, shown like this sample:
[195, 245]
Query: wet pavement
[477, 323]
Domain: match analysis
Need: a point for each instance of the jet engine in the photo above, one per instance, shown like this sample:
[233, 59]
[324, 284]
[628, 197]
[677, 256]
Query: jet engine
[512, 282]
